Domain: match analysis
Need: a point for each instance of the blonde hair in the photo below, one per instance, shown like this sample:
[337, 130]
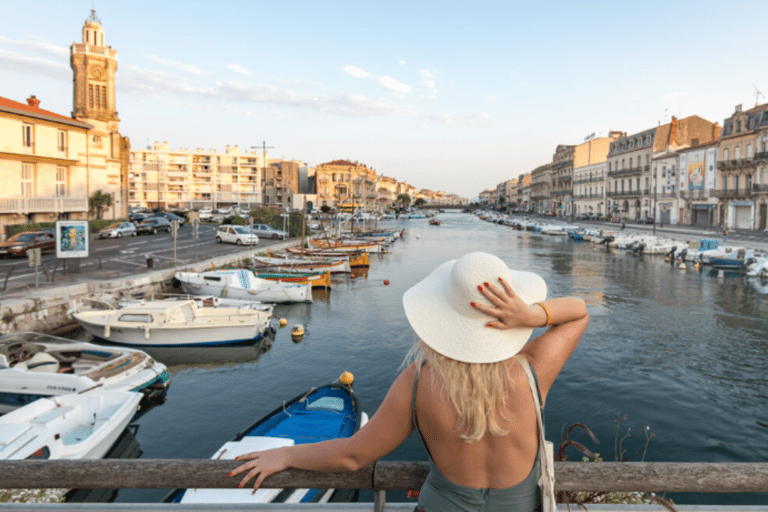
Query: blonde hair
[478, 391]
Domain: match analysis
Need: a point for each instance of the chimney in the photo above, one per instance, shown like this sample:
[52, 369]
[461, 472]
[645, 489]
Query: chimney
[32, 101]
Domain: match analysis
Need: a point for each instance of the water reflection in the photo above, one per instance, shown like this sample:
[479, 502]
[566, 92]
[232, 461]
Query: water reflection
[176, 358]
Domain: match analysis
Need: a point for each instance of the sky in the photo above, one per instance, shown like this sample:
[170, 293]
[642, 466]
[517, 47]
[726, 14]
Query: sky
[444, 95]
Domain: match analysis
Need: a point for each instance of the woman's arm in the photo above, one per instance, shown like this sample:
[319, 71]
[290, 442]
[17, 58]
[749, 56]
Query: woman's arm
[385, 431]
[547, 353]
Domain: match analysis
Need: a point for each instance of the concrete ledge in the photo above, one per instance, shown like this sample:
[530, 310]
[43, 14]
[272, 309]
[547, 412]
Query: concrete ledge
[46, 310]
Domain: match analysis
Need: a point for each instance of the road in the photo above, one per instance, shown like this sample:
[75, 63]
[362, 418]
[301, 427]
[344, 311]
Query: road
[116, 257]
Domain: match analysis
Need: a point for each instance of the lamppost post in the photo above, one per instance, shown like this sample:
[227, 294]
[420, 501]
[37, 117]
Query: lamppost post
[655, 190]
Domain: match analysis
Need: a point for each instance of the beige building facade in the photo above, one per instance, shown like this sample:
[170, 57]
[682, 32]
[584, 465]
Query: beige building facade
[342, 182]
[50, 163]
[589, 173]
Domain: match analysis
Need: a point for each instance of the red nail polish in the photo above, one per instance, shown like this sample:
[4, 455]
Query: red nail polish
[479, 287]
[486, 285]
[500, 279]
[239, 486]
[229, 474]
[488, 324]
[472, 304]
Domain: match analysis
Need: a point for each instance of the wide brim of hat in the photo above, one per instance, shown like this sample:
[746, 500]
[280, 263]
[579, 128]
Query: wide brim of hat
[462, 337]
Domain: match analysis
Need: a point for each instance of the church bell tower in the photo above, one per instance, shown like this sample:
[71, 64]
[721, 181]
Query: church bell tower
[94, 66]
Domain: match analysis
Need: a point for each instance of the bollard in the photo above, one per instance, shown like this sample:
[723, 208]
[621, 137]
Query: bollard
[150, 261]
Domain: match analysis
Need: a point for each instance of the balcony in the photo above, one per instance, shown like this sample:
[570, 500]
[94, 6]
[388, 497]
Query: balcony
[632, 171]
[759, 188]
[24, 205]
[731, 193]
[693, 195]
[761, 156]
[737, 163]
[561, 164]
[563, 192]
[630, 193]
[588, 196]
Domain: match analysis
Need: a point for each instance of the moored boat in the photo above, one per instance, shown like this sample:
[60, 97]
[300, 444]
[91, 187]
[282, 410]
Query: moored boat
[175, 323]
[356, 259]
[70, 426]
[315, 279]
[320, 414]
[241, 284]
[304, 264]
[35, 365]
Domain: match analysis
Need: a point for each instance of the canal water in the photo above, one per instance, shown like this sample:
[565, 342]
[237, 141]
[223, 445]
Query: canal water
[672, 367]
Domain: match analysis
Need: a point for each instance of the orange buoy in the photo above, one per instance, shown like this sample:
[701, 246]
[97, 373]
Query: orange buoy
[386, 281]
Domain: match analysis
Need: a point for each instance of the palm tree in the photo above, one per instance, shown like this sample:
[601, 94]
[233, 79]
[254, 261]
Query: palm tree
[99, 202]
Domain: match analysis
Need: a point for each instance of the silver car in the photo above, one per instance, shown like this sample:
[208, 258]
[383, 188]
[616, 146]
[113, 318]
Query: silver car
[267, 231]
[118, 230]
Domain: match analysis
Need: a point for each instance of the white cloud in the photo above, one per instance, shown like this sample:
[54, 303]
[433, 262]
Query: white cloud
[491, 97]
[425, 73]
[402, 63]
[238, 69]
[180, 66]
[336, 104]
[357, 72]
[34, 65]
[40, 46]
[391, 84]
[151, 83]
[429, 83]
[386, 82]
[467, 121]
[675, 95]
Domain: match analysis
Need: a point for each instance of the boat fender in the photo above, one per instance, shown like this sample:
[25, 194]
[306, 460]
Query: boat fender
[682, 265]
[297, 330]
[347, 379]
[283, 322]
[386, 281]
[106, 331]
[146, 333]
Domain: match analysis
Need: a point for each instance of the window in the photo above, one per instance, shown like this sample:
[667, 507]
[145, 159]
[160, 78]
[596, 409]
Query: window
[749, 151]
[26, 135]
[737, 152]
[748, 182]
[62, 140]
[725, 154]
[725, 183]
[26, 179]
[90, 95]
[738, 126]
[736, 183]
[61, 181]
[104, 97]
[97, 103]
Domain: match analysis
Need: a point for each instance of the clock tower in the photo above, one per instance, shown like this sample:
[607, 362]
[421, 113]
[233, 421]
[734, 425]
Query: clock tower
[94, 65]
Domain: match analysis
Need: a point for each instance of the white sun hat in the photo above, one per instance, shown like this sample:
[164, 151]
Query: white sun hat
[438, 308]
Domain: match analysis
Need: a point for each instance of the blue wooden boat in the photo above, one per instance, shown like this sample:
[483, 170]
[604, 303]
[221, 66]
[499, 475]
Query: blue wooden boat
[320, 414]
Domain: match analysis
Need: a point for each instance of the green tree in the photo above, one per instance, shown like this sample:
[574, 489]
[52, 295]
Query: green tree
[98, 203]
[404, 199]
[420, 202]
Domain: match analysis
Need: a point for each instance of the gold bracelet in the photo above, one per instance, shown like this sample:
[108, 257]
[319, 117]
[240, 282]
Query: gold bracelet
[549, 316]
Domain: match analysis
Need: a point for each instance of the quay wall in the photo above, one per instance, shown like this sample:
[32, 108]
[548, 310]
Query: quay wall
[46, 310]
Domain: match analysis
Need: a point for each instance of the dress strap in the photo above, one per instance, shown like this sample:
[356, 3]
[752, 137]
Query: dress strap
[413, 408]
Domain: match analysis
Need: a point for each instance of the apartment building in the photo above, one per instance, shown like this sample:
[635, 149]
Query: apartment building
[743, 167]
[632, 180]
[342, 182]
[589, 172]
[561, 180]
[540, 201]
[697, 202]
[169, 179]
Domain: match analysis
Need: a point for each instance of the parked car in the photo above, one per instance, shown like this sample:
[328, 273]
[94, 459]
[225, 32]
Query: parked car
[206, 215]
[169, 217]
[137, 217]
[20, 243]
[118, 230]
[153, 225]
[267, 231]
[239, 235]
[645, 220]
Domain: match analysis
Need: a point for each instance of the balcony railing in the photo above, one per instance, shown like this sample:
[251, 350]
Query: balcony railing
[564, 192]
[562, 163]
[731, 193]
[738, 163]
[690, 195]
[588, 196]
[24, 205]
[627, 172]
[623, 193]
[760, 188]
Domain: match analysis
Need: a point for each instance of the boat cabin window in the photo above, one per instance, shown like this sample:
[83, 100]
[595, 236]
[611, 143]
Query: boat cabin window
[212, 278]
[134, 317]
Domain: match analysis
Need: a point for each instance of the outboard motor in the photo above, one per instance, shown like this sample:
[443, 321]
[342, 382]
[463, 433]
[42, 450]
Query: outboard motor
[607, 240]
[638, 248]
[671, 251]
[683, 253]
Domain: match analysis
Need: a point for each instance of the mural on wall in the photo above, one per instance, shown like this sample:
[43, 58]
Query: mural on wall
[72, 240]
[696, 174]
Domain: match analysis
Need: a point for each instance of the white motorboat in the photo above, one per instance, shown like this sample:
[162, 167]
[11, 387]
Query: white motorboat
[175, 323]
[34, 366]
[242, 285]
[72, 426]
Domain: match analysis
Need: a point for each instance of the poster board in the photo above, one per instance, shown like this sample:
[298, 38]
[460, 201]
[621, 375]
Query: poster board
[73, 238]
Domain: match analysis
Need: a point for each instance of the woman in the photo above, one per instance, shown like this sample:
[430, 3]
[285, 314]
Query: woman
[465, 392]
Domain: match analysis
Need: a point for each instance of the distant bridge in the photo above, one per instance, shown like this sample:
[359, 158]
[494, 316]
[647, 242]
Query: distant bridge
[448, 207]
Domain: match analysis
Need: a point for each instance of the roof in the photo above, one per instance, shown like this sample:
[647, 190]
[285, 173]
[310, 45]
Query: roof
[22, 109]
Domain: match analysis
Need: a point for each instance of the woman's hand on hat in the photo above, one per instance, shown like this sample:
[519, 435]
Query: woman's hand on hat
[507, 308]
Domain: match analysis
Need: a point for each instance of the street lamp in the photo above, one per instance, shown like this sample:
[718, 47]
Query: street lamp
[655, 191]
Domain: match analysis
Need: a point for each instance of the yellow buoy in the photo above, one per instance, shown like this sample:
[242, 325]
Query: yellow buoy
[283, 322]
[297, 330]
[614, 253]
[347, 379]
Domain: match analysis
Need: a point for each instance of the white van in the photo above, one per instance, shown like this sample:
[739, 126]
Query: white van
[239, 235]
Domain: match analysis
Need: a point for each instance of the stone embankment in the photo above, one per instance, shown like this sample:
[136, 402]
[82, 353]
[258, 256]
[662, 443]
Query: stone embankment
[46, 310]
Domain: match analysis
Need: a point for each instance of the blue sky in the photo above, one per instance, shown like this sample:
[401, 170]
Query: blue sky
[453, 96]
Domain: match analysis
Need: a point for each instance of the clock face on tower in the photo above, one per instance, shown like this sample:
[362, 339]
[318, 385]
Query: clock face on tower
[97, 73]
